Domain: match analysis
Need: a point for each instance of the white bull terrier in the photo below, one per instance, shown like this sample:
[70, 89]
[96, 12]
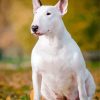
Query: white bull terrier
[58, 67]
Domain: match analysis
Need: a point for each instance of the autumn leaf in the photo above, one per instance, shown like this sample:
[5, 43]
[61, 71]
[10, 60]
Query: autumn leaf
[8, 98]
[31, 95]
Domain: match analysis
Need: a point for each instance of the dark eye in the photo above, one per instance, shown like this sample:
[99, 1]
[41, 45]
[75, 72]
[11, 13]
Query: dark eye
[48, 13]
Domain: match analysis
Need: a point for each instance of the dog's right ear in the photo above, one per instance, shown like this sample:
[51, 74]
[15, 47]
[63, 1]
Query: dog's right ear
[36, 4]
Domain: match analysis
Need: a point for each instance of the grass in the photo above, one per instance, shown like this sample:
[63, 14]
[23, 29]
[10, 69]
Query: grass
[17, 84]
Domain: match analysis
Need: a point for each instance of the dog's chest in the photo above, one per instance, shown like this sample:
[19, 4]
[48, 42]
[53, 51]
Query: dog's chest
[55, 67]
[51, 60]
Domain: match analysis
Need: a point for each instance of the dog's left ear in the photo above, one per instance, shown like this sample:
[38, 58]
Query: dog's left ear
[62, 6]
[36, 4]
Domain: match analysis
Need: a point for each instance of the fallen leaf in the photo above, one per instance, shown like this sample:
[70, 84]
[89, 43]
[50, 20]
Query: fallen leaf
[8, 98]
[31, 95]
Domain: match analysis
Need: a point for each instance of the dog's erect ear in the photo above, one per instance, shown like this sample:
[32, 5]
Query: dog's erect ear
[62, 6]
[36, 4]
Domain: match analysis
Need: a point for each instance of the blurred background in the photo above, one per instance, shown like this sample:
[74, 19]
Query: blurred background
[16, 42]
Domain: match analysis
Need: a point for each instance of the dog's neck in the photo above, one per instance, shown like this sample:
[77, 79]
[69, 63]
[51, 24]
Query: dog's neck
[58, 36]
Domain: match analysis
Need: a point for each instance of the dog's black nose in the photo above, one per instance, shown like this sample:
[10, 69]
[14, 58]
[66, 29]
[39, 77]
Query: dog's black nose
[35, 28]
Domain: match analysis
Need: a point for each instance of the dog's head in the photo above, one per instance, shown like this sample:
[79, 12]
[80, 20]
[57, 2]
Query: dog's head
[47, 19]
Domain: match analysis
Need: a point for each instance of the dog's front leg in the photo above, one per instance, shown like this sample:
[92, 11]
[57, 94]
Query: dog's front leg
[81, 86]
[37, 85]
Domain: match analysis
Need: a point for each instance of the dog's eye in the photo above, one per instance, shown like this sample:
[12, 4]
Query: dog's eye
[48, 13]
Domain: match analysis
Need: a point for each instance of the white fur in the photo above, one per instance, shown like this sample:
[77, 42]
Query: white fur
[58, 66]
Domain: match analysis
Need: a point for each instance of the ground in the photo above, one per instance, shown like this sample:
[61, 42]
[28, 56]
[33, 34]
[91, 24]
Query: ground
[17, 84]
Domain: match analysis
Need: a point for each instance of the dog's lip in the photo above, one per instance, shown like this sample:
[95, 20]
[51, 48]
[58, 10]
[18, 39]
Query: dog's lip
[38, 33]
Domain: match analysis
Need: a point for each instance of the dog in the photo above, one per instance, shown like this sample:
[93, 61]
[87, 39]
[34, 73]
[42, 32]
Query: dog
[58, 68]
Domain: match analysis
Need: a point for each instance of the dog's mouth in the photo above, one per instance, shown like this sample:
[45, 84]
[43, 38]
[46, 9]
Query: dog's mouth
[38, 34]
